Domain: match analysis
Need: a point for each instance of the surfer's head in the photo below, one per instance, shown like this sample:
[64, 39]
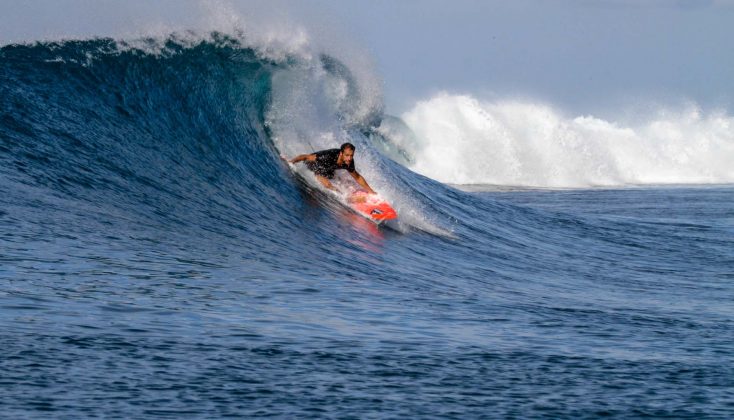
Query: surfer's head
[346, 153]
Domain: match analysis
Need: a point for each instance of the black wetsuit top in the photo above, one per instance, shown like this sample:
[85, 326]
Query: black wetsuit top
[325, 163]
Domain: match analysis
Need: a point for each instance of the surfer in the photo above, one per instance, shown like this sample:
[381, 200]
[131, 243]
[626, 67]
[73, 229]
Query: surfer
[325, 162]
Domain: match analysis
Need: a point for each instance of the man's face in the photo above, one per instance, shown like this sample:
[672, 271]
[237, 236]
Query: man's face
[347, 156]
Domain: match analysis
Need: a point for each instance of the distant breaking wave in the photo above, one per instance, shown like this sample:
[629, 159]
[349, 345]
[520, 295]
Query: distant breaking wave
[459, 139]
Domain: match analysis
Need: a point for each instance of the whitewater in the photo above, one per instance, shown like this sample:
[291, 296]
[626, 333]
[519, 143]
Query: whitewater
[459, 139]
[158, 259]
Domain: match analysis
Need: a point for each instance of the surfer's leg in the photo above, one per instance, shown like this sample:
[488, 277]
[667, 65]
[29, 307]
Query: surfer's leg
[325, 182]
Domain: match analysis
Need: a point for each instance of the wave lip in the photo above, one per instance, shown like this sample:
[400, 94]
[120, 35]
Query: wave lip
[463, 140]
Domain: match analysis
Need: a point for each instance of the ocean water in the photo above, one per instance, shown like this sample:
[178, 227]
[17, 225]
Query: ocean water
[157, 259]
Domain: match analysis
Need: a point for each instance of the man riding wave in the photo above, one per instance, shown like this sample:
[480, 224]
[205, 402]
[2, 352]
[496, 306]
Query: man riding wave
[325, 162]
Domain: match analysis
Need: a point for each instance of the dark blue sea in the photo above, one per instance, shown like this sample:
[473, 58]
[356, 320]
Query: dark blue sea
[158, 260]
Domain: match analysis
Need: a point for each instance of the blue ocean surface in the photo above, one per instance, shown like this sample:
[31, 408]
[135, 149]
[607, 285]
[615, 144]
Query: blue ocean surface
[157, 259]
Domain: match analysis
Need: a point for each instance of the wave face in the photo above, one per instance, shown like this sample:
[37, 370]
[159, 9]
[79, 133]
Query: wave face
[158, 259]
[467, 141]
[138, 132]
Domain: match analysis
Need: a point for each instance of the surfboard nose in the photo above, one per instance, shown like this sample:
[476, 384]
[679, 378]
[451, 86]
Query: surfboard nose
[372, 206]
[383, 213]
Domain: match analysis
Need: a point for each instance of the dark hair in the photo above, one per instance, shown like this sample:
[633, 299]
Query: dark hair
[347, 146]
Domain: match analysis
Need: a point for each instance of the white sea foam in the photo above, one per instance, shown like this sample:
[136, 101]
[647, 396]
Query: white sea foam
[463, 140]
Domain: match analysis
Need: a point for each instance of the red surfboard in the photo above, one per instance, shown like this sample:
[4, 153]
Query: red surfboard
[372, 206]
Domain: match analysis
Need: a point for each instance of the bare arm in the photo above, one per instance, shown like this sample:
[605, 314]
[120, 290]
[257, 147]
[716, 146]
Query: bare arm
[361, 181]
[310, 157]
